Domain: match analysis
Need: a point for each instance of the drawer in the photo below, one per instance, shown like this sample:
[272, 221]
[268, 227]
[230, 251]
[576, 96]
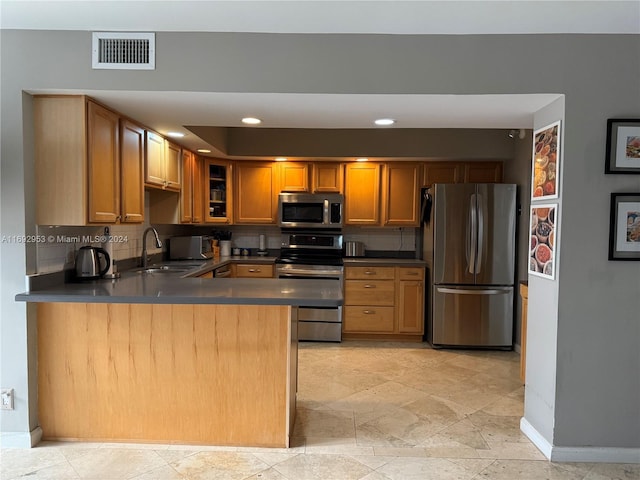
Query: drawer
[249, 270]
[364, 273]
[375, 292]
[368, 319]
[410, 273]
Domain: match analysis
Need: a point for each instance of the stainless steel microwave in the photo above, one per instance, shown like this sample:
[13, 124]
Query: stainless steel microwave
[194, 247]
[310, 210]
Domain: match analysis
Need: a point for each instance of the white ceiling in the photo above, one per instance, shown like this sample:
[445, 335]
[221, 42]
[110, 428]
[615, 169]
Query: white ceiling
[305, 16]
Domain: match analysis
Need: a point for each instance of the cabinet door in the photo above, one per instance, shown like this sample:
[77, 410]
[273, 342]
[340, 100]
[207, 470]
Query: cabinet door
[154, 159]
[362, 194]
[131, 167]
[186, 193]
[401, 194]
[294, 176]
[217, 192]
[103, 165]
[441, 172]
[410, 306]
[245, 270]
[173, 166]
[362, 319]
[483, 172]
[256, 200]
[197, 185]
[328, 178]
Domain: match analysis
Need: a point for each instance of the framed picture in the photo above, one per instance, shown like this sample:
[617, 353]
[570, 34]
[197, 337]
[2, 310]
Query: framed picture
[624, 228]
[542, 246]
[623, 146]
[546, 161]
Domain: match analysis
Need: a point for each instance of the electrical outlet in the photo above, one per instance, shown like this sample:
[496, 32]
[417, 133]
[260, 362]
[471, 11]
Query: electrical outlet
[6, 396]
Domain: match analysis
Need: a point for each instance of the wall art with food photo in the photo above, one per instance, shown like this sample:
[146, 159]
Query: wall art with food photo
[542, 247]
[623, 146]
[624, 227]
[546, 162]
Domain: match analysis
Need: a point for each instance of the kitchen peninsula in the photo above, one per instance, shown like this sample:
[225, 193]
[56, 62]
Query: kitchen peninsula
[161, 359]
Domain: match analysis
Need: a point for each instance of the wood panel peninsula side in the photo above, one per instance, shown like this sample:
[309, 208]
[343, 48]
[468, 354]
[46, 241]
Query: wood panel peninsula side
[191, 361]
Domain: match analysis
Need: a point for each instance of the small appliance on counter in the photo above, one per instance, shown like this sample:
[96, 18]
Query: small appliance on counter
[107, 245]
[88, 263]
[262, 250]
[354, 249]
[193, 247]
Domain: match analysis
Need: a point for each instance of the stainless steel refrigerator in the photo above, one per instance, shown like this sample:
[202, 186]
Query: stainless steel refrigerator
[469, 246]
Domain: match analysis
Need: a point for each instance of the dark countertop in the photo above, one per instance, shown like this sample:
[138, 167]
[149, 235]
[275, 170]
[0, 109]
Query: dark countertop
[383, 262]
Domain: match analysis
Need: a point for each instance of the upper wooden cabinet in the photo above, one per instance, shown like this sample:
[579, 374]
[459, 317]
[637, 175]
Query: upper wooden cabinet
[315, 177]
[483, 172]
[77, 161]
[191, 199]
[362, 194]
[257, 199]
[218, 191]
[327, 177]
[442, 172]
[462, 172]
[401, 194]
[162, 162]
[131, 167]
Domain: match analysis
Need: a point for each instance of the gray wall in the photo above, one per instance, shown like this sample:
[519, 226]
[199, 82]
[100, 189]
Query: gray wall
[584, 370]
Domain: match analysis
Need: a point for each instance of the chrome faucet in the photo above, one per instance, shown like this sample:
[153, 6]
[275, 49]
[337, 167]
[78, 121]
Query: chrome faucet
[145, 259]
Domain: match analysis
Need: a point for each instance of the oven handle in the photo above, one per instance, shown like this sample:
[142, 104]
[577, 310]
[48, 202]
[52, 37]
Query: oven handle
[310, 273]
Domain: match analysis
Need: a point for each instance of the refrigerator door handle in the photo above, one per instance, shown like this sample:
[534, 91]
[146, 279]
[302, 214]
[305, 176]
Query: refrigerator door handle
[480, 238]
[472, 238]
[462, 291]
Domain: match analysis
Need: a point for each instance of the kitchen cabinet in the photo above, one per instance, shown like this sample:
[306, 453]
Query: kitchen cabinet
[327, 177]
[248, 270]
[131, 168]
[483, 172]
[77, 161]
[191, 199]
[410, 301]
[218, 191]
[442, 172]
[383, 302]
[162, 162]
[257, 198]
[294, 176]
[208, 274]
[362, 194]
[401, 194]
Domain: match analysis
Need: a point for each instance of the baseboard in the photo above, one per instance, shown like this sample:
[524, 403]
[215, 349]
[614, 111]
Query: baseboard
[517, 348]
[21, 439]
[579, 454]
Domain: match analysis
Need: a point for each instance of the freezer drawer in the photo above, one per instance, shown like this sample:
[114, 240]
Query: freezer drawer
[472, 316]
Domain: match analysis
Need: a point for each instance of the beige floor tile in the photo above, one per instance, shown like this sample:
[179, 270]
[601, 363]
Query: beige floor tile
[324, 423]
[322, 467]
[269, 474]
[411, 468]
[15, 462]
[162, 473]
[609, 471]
[117, 463]
[219, 466]
[531, 470]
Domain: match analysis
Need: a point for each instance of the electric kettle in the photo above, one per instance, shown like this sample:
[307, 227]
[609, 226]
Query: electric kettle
[88, 262]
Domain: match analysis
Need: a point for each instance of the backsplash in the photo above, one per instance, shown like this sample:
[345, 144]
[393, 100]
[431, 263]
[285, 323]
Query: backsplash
[386, 239]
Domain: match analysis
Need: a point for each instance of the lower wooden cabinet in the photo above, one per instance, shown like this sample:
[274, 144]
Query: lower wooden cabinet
[383, 302]
[249, 270]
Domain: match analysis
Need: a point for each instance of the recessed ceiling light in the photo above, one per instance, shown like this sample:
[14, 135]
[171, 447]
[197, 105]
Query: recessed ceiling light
[362, 159]
[204, 150]
[385, 121]
[280, 159]
[175, 134]
[251, 120]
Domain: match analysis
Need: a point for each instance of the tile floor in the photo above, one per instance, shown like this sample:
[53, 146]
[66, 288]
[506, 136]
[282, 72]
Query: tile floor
[366, 411]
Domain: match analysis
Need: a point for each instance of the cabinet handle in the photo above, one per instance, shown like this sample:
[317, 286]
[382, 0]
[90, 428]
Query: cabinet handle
[254, 270]
[369, 312]
[412, 273]
[369, 286]
[370, 272]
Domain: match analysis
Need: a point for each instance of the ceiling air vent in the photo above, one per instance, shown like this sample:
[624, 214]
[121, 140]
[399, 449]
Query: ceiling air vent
[124, 51]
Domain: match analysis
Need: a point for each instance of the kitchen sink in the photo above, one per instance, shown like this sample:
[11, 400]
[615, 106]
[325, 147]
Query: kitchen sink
[163, 269]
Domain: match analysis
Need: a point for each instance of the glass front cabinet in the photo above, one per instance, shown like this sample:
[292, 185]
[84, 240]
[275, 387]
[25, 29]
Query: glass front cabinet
[219, 185]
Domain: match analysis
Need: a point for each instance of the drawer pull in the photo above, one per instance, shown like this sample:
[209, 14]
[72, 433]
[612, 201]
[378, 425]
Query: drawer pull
[370, 272]
[369, 312]
[254, 270]
[369, 286]
[412, 273]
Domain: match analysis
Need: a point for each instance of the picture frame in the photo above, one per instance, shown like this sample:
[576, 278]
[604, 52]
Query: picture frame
[543, 221]
[624, 226]
[623, 146]
[545, 162]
